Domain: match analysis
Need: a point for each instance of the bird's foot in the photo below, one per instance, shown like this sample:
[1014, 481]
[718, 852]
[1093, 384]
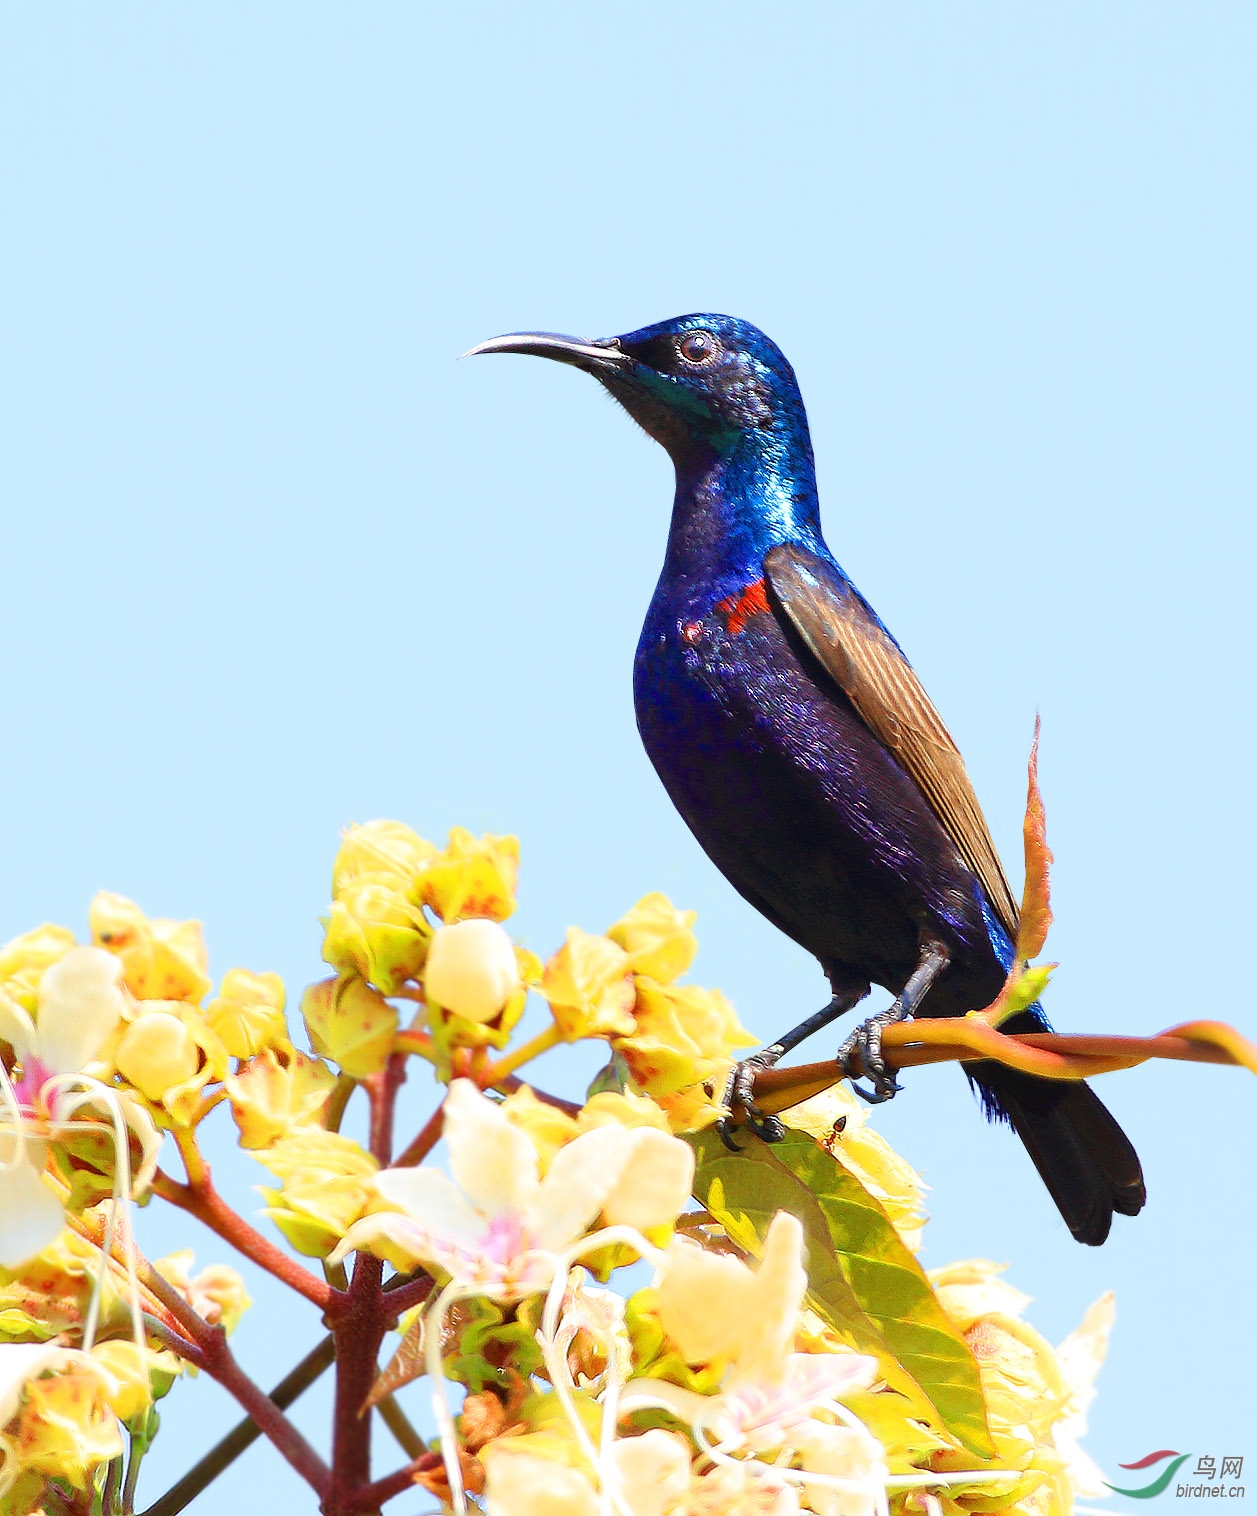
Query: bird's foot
[864, 1048]
[739, 1090]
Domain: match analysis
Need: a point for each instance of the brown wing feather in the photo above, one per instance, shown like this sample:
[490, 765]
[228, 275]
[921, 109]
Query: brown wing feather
[880, 683]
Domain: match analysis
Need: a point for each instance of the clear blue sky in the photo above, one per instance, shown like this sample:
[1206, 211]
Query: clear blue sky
[275, 560]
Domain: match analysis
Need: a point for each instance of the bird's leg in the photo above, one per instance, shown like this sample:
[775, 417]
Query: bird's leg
[740, 1086]
[866, 1040]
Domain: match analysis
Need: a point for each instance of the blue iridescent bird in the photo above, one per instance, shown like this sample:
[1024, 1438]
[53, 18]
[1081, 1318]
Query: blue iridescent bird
[801, 749]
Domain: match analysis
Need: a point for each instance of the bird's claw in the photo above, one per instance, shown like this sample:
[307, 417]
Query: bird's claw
[866, 1042]
[740, 1090]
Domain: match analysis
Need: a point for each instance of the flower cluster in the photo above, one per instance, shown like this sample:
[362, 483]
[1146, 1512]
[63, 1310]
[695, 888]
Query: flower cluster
[780, 1349]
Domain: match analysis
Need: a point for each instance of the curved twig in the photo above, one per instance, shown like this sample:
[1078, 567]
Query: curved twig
[1050, 1055]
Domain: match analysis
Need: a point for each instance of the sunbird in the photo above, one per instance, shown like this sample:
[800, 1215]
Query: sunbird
[803, 752]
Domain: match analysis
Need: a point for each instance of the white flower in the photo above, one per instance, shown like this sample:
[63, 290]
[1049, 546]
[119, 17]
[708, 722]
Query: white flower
[80, 1006]
[520, 1483]
[713, 1306]
[1080, 1357]
[497, 1222]
[848, 1456]
[471, 969]
[650, 1474]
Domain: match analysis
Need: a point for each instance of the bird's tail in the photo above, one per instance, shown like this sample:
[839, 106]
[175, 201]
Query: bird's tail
[1082, 1155]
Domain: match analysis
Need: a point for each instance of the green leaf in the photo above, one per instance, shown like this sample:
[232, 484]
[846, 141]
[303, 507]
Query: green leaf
[863, 1281]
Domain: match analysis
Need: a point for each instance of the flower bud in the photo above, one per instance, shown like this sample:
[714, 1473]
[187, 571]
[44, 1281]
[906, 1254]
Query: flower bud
[270, 1098]
[658, 938]
[521, 1482]
[248, 1013]
[381, 850]
[156, 1053]
[161, 959]
[373, 931]
[472, 877]
[471, 969]
[351, 1024]
[588, 986]
[23, 961]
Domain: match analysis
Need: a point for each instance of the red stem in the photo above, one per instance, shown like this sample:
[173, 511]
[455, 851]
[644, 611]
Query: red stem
[204, 1202]
[406, 1296]
[209, 1351]
[359, 1327]
[374, 1496]
[222, 1366]
[428, 1137]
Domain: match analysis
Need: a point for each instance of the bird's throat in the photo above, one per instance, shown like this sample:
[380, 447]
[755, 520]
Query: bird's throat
[730, 509]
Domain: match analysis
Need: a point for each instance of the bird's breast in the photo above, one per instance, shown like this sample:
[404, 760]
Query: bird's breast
[786, 788]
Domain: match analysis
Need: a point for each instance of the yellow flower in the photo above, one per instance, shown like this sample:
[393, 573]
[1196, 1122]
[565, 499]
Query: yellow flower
[588, 986]
[1022, 1384]
[546, 1126]
[684, 1035]
[1080, 1358]
[23, 961]
[628, 1109]
[56, 1399]
[351, 1024]
[48, 1295]
[325, 1187]
[381, 850]
[161, 959]
[472, 877]
[372, 930]
[271, 1099]
[217, 1293]
[169, 1053]
[544, 1474]
[471, 970]
[839, 1123]
[248, 1013]
[137, 1379]
[156, 1052]
[657, 937]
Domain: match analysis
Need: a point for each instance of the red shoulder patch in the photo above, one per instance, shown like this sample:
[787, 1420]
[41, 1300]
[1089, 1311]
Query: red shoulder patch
[737, 609]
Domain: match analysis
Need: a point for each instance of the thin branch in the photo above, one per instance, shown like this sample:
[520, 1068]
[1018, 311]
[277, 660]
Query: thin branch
[334, 1112]
[135, 1458]
[244, 1435]
[204, 1202]
[1050, 1055]
[418, 1043]
[394, 1418]
[215, 1358]
[524, 1053]
[512, 1083]
[172, 1341]
[428, 1137]
[222, 1366]
[374, 1495]
[382, 1091]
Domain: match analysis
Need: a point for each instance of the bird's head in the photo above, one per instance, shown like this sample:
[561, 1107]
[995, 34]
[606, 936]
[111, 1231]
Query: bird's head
[699, 383]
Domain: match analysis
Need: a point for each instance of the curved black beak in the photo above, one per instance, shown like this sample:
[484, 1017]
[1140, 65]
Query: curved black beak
[601, 354]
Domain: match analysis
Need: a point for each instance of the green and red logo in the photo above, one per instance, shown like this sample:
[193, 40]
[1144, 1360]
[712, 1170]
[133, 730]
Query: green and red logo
[1159, 1484]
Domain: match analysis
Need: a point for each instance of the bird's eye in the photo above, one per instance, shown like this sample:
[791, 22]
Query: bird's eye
[698, 347]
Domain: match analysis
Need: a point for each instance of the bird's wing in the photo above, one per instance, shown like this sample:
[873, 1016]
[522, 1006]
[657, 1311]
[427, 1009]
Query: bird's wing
[861, 657]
